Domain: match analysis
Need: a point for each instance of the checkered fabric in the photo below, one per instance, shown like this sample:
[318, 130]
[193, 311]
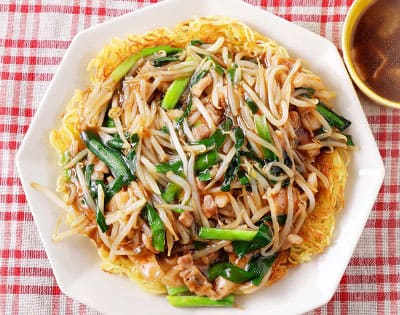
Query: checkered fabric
[34, 36]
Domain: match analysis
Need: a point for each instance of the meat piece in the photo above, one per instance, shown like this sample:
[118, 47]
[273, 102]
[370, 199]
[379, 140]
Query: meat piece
[281, 138]
[200, 185]
[148, 243]
[303, 136]
[200, 86]
[174, 113]
[172, 278]
[101, 167]
[312, 154]
[222, 101]
[185, 261]
[310, 122]
[280, 199]
[221, 200]
[216, 115]
[294, 239]
[99, 170]
[224, 287]
[186, 218]
[209, 259]
[149, 268]
[194, 279]
[294, 119]
[307, 80]
[201, 132]
[209, 207]
[198, 283]
[118, 201]
[312, 180]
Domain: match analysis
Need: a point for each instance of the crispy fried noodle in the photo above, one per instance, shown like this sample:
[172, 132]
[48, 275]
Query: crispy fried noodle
[202, 160]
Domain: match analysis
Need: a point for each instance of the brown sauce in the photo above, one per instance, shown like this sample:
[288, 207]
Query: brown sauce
[376, 48]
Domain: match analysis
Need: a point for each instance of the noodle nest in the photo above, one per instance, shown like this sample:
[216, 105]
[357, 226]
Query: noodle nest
[317, 229]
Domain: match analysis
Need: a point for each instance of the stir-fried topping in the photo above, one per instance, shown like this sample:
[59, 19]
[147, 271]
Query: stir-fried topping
[203, 158]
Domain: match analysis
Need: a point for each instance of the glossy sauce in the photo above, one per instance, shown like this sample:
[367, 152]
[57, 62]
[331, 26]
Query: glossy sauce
[376, 48]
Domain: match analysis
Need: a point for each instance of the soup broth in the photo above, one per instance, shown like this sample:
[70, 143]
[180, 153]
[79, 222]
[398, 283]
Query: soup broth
[376, 48]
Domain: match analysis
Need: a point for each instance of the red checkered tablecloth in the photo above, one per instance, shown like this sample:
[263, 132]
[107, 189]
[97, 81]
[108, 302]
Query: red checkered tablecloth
[34, 36]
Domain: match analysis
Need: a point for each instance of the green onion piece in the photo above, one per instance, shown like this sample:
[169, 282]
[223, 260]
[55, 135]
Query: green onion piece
[218, 69]
[234, 165]
[217, 138]
[123, 68]
[231, 172]
[196, 42]
[262, 237]
[259, 266]
[232, 72]
[281, 219]
[275, 170]
[287, 160]
[309, 91]
[134, 139]
[263, 131]
[186, 111]
[114, 160]
[131, 161]
[177, 290]
[67, 174]
[239, 138]
[94, 188]
[206, 160]
[115, 143]
[244, 180]
[115, 186]
[173, 166]
[108, 122]
[165, 130]
[251, 155]
[65, 158]
[229, 272]
[254, 271]
[178, 210]
[252, 105]
[285, 183]
[332, 118]
[88, 174]
[101, 221]
[156, 226]
[227, 124]
[226, 234]
[204, 176]
[170, 192]
[197, 77]
[174, 92]
[200, 301]
[262, 128]
[349, 141]
[199, 245]
[158, 62]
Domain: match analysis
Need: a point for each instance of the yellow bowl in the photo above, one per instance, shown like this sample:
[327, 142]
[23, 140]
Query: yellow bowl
[357, 9]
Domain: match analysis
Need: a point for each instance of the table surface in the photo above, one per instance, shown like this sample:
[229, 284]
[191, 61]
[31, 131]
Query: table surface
[34, 36]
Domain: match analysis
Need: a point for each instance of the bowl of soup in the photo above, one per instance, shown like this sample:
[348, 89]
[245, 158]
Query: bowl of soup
[371, 49]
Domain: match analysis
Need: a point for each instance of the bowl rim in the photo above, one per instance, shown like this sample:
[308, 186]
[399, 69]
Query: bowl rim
[355, 12]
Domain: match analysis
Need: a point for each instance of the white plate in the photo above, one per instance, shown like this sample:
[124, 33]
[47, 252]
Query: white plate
[75, 262]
